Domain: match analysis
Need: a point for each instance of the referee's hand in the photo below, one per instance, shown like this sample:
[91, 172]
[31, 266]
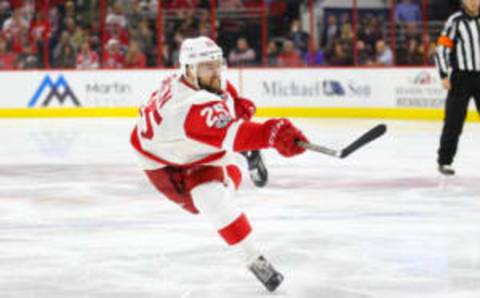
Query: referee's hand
[446, 84]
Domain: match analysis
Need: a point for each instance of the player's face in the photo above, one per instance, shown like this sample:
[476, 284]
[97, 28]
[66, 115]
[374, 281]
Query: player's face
[210, 76]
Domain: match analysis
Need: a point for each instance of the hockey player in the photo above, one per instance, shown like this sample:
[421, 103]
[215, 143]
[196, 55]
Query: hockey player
[187, 137]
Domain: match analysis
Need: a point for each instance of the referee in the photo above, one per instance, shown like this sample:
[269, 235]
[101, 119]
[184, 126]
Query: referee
[459, 50]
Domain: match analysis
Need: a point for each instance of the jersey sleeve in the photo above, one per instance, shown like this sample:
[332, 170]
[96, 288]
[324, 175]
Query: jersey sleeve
[446, 42]
[212, 124]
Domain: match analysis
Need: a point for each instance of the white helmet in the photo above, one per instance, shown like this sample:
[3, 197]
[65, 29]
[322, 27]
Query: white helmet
[197, 50]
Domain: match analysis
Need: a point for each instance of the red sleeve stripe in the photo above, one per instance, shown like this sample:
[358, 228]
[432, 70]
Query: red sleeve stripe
[238, 230]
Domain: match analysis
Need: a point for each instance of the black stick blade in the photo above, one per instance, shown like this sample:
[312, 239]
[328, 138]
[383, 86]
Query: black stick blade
[368, 137]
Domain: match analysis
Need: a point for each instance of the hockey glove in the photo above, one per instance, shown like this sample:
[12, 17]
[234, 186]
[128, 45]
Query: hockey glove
[244, 108]
[283, 136]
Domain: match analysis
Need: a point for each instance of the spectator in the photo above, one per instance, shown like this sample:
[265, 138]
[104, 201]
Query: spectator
[384, 55]
[370, 32]
[134, 57]
[151, 9]
[116, 17]
[412, 54]
[64, 41]
[188, 27]
[82, 11]
[177, 39]
[298, 36]
[430, 48]
[40, 29]
[4, 11]
[146, 42]
[54, 20]
[70, 10]
[338, 56]
[78, 37]
[203, 16]
[204, 29]
[40, 32]
[411, 31]
[345, 19]
[135, 14]
[93, 33]
[166, 59]
[289, 56]
[365, 54]
[28, 10]
[242, 54]
[272, 53]
[67, 58]
[15, 24]
[230, 4]
[346, 36]
[7, 58]
[113, 57]
[407, 11]
[70, 25]
[19, 40]
[315, 56]
[87, 58]
[28, 59]
[330, 32]
[115, 31]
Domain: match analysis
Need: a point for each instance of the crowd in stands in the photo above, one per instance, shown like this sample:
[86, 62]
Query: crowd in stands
[68, 34]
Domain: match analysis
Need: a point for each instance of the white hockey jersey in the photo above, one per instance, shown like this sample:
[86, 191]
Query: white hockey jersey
[183, 126]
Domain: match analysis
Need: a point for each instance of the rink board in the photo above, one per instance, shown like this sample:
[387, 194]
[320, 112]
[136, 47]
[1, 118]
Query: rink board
[396, 93]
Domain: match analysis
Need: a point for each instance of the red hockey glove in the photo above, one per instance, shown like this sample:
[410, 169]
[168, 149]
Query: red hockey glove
[283, 136]
[244, 108]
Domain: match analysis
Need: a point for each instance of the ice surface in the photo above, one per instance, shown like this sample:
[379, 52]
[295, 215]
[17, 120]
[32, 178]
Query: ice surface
[78, 218]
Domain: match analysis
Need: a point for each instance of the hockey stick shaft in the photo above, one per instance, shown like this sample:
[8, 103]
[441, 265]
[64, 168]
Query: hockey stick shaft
[320, 149]
[363, 140]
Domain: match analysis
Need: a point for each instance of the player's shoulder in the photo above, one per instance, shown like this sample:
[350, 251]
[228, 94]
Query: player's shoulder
[181, 95]
[456, 16]
[204, 97]
[192, 95]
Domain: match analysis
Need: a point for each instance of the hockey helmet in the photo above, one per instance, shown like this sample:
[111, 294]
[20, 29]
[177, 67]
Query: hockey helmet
[201, 49]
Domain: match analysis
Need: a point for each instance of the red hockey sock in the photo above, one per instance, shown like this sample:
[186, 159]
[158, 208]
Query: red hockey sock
[236, 231]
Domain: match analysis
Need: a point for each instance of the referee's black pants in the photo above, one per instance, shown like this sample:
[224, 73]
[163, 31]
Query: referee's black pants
[465, 85]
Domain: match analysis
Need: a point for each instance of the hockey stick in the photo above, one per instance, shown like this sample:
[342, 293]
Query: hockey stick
[366, 138]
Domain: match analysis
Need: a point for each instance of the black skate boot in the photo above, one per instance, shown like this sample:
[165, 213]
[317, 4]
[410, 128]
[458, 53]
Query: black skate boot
[256, 167]
[266, 274]
[446, 170]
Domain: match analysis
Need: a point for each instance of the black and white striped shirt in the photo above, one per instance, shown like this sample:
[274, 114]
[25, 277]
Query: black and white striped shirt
[459, 45]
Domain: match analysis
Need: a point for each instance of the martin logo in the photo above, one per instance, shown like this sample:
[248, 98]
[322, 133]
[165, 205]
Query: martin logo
[59, 90]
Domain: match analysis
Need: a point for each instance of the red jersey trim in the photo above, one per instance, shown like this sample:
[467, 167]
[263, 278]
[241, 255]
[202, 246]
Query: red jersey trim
[135, 141]
[232, 90]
